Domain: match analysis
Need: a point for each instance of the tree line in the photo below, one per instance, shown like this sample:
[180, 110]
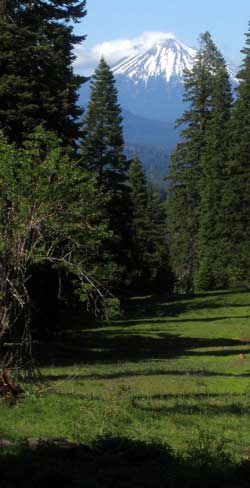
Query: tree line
[209, 200]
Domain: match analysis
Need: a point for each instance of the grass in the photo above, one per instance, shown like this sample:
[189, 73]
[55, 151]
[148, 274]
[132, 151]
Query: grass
[168, 372]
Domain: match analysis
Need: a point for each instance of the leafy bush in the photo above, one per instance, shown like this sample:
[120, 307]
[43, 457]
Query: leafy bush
[50, 214]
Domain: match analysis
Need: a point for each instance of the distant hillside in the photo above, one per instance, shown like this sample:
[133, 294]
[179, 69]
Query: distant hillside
[140, 130]
[155, 159]
[153, 141]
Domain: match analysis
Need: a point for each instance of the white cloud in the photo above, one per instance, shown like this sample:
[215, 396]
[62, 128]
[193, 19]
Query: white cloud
[113, 51]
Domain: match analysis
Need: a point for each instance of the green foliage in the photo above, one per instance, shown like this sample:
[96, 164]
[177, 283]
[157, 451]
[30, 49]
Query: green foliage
[102, 153]
[139, 224]
[103, 144]
[37, 82]
[46, 197]
[185, 170]
[149, 260]
[209, 451]
[214, 233]
[196, 205]
[50, 212]
[237, 190]
[204, 279]
[161, 274]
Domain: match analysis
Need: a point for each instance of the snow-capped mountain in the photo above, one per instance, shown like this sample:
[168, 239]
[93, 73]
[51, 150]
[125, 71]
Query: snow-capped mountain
[166, 59]
[150, 83]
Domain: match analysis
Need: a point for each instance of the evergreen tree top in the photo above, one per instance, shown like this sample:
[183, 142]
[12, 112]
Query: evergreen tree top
[246, 50]
[38, 84]
[137, 177]
[53, 13]
[245, 67]
[103, 143]
[104, 113]
[241, 112]
[103, 86]
[64, 10]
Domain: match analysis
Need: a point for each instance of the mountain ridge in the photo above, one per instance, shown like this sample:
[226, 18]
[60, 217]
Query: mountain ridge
[151, 81]
[167, 58]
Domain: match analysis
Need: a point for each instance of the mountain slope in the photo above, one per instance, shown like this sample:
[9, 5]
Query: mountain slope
[140, 130]
[155, 159]
[150, 83]
[152, 140]
[166, 59]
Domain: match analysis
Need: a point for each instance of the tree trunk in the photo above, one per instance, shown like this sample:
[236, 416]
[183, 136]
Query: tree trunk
[3, 8]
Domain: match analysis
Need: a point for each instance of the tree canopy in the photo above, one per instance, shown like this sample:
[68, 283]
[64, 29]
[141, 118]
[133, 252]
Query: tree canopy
[38, 84]
[198, 171]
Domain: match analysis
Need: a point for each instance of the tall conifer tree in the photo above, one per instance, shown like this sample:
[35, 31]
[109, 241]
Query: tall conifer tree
[149, 264]
[161, 276]
[103, 143]
[237, 193]
[213, 233]
[138, 224]
[102, 152]
[185, 170]
[37, 83]
[196, 168]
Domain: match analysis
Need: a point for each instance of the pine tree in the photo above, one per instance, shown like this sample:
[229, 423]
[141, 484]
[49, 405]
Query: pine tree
[213, 233]
[237, 192]
[182, 219]
[102, 152]
[37, 83]
[189, 197]
[185, 170]
[103, 143]
[149, 263]
[139, 224]
[161, 276]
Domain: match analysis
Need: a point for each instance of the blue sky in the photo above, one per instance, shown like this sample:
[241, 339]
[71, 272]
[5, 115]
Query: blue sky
[118, 21]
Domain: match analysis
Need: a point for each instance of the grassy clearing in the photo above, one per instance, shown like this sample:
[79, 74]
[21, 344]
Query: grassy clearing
[168, 372]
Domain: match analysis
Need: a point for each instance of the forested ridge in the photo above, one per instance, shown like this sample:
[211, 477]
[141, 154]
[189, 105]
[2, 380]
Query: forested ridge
[81, 226]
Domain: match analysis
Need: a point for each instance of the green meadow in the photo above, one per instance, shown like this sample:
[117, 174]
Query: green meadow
[167, 371]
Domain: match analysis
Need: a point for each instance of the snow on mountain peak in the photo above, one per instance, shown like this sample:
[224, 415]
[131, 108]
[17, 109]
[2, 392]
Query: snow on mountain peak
[167, 58]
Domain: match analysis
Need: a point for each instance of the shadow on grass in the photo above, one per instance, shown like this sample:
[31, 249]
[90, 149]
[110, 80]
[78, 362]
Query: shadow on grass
[196, 403]
[150, 307]
[201, 409]
[184, 404]
[143, 373]
[121, 343]
[103, 346]
[173, 321]
[120, 463]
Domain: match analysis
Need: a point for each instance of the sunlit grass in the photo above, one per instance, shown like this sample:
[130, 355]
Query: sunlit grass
[161, 373]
